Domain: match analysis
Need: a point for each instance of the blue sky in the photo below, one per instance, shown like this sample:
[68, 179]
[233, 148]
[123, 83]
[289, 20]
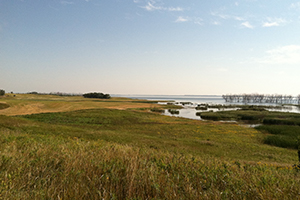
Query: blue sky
[150, 46]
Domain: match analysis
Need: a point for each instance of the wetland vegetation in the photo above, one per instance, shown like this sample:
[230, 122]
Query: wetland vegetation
[70, 147]
[283, 128]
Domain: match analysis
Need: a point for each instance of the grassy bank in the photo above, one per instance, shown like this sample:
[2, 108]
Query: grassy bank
[285, 136]
[133, 153]
[283, 127]
[255, 115]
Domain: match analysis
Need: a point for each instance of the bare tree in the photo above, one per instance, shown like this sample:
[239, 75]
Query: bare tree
[261, 98]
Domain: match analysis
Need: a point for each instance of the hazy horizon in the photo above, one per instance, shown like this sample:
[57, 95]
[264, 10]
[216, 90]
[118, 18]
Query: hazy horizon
[154, 47]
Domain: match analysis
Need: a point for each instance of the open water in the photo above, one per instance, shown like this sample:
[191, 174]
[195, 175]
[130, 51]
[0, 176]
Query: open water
[189, 110]
[210, 99]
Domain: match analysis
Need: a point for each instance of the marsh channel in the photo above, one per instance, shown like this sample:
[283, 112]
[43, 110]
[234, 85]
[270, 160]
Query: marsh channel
[213, 103]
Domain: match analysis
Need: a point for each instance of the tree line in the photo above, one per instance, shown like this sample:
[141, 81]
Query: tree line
[2, 92]
[97, 95]
[261, 98]
[55, 93]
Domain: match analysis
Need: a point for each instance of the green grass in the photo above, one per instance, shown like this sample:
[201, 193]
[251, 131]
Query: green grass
[282, 135]
[49, 166]
[23, 104]
[282, 120]
[283, 127]
[105, 153]
[151, 130]
[253, 115]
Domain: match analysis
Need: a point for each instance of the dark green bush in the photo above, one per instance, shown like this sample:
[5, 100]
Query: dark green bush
[201, 108]
[2, 92]
[33, 92]
[173, 111]
[159, 110]
[97, 95]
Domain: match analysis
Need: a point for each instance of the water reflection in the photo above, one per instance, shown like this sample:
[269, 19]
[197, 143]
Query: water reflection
[189, 109]
[185, 112]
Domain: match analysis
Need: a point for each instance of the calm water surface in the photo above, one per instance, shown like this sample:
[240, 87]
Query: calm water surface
[210, 99]
[189, 111]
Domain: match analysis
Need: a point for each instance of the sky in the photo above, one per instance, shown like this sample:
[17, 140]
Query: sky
[196, 47]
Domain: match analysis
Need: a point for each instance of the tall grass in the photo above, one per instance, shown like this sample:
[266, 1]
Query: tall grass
[283, 127]
[146, 129]
[294, 121]
[253, 115]
[54, 167]
[257, 114]
[282, 135]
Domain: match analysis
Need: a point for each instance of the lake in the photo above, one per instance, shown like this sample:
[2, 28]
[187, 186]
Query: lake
[189, 111]
[209, 99]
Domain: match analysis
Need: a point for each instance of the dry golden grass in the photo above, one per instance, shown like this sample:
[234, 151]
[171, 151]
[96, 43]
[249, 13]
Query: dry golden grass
[24, 104]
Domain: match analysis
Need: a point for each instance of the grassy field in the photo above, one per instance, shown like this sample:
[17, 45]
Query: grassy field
[22, 104]
[76, 148]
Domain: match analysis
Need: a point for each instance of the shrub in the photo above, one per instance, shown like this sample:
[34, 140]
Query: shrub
[96, 95]
[173, 111]
[33, 92]
[159, 110]
[2, 92]
[201, 108]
